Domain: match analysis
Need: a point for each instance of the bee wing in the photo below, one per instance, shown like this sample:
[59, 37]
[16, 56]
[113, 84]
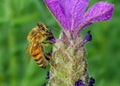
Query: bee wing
[27, 55]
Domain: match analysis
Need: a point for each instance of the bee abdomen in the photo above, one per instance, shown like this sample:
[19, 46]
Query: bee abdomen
[40, 60]
[35, 55]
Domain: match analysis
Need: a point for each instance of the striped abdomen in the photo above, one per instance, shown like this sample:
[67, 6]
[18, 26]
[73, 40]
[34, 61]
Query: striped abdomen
[40, 60]
[37, 54]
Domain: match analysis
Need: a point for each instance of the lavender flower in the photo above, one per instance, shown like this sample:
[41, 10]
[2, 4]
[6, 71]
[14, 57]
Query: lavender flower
[68, 53]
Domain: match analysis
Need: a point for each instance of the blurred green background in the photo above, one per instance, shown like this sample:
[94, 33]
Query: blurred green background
[18, 17]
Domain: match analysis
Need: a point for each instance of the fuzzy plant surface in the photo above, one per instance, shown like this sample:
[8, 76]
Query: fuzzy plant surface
[69, 54]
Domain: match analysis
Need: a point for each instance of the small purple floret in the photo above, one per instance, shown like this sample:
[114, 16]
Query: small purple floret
[44, 84]
[88, 37]
[79, 83]
[91, 82]
[53, 40]
[48, 75]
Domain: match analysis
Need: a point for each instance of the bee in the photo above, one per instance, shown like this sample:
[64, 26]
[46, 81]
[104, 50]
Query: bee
[37, 38]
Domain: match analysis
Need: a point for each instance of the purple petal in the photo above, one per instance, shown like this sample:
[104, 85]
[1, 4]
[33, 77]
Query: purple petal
[78, 11]
[100, 11]
[57, 11]
[67, 12]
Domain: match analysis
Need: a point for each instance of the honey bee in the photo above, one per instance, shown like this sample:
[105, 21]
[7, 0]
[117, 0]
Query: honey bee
[37, 38]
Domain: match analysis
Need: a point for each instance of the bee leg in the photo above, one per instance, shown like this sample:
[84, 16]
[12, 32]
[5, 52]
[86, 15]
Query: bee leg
[51, 38]
[46, 43]
[50, 52]
[43, 67]
[48, 56]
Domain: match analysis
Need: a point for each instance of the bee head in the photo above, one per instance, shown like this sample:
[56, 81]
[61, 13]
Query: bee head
[42, 28]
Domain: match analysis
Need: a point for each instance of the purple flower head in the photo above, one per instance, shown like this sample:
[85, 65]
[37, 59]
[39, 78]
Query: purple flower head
[79, 83]
[88, 37]
[72, 16]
